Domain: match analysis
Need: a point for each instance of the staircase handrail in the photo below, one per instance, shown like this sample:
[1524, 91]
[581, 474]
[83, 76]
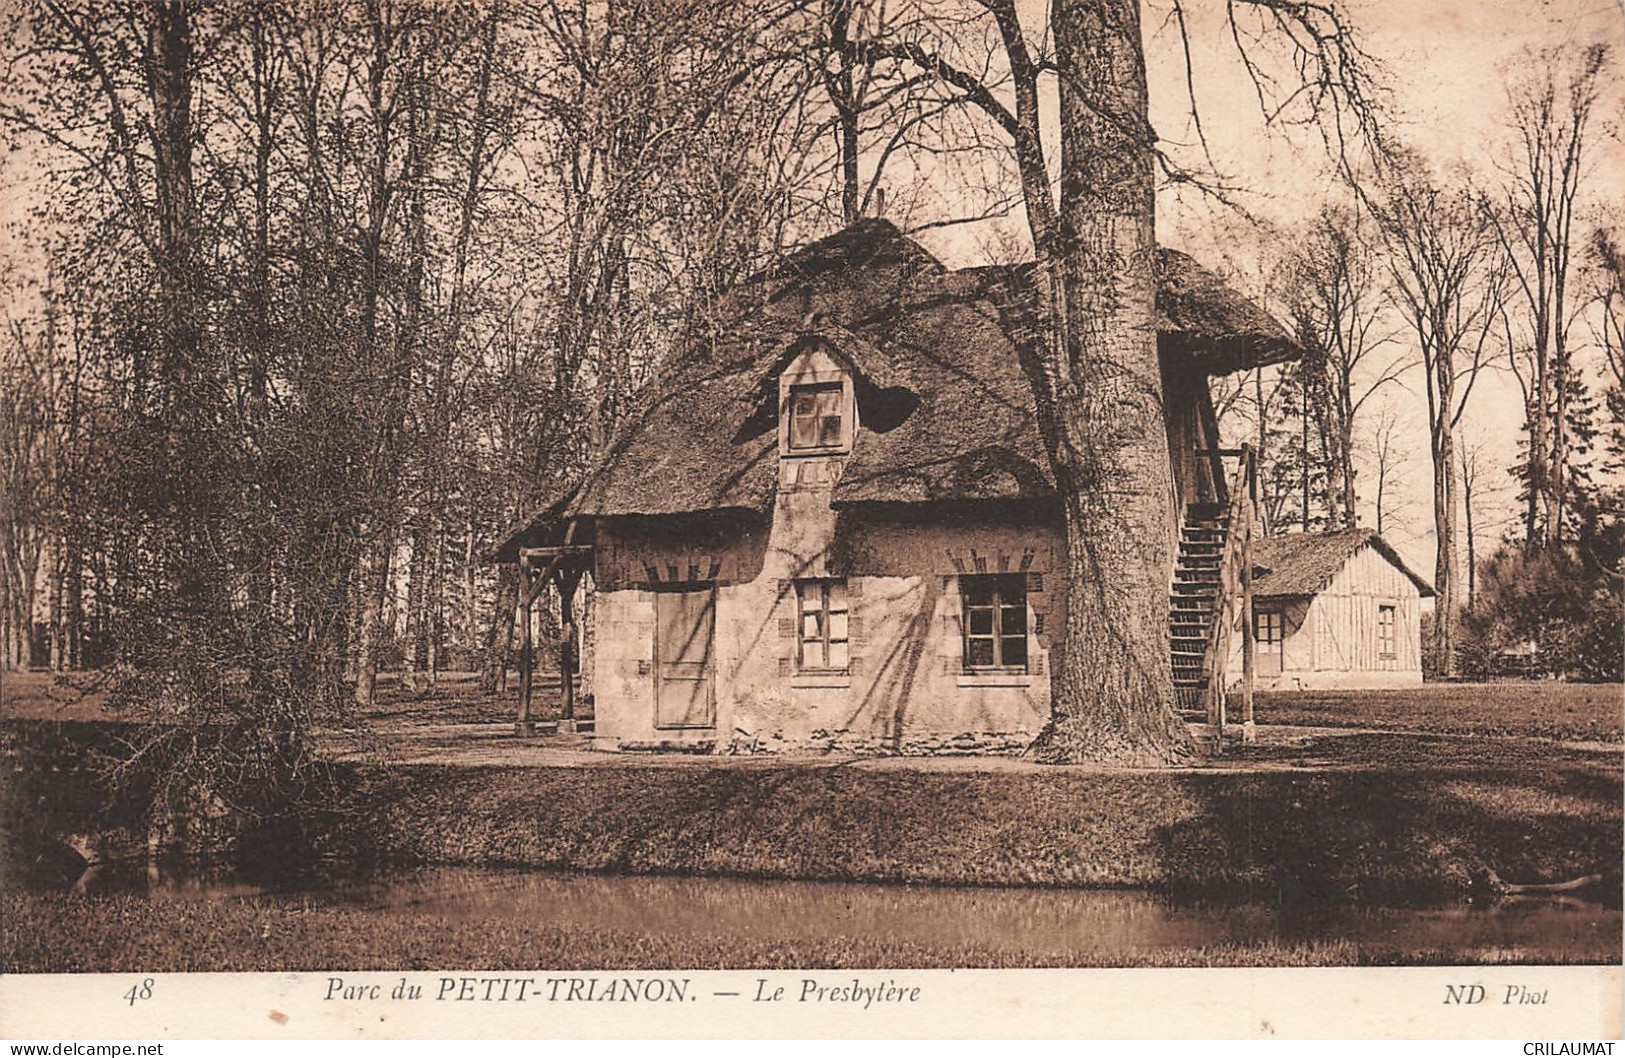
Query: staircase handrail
[1234, 576]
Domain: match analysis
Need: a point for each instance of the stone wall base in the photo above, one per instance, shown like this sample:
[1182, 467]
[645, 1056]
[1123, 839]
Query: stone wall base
[861, 744]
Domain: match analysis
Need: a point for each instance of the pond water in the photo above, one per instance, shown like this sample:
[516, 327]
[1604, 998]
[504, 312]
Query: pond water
[1041, 922]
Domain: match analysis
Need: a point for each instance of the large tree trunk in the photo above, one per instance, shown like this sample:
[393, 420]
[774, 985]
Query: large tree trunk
[1444, 519]
[1113, 688]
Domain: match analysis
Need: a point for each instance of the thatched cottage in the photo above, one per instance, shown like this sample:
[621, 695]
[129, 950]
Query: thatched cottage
[830, 522]
[1337, 609]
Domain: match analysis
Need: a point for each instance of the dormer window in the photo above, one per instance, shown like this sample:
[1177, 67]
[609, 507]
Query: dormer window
[817, 416]
[817, 419]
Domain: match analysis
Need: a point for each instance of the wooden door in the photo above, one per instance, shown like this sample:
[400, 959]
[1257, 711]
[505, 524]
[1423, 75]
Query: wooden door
[685, 625]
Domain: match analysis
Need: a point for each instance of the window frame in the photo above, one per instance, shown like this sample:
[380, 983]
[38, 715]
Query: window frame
[1008, 594]
[1387, 631]
[1270, 618]
[843, 415]
[825, 610]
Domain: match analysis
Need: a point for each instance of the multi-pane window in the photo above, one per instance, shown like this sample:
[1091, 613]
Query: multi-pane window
[822, 625]
[1385, 631]
[995, 622]
[1268, 631]
[816, 419]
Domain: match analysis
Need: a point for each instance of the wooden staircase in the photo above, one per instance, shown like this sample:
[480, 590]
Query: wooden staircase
[1211, 601]
[1192, 601]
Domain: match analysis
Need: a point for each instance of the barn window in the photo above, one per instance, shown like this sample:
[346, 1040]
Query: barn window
[1268, 631]
[817, 419]
[995, 621]
[822, 625]
[1385, 631]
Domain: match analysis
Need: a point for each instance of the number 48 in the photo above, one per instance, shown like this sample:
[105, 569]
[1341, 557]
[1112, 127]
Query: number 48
[141, 991]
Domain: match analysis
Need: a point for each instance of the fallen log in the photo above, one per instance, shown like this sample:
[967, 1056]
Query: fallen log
[1495, 883]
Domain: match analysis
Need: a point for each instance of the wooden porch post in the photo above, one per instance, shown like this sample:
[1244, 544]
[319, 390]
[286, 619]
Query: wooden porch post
[525, 727]
[567, 580]
[1248, 646]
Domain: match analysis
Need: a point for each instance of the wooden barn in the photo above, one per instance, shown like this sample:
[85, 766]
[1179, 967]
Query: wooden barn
[1335, 610]
[831, 524]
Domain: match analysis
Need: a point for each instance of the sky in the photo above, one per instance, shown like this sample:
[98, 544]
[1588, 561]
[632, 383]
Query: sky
[1443, 62]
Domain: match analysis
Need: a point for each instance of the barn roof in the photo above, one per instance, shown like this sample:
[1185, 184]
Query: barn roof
[946, 411]
[1301, 565]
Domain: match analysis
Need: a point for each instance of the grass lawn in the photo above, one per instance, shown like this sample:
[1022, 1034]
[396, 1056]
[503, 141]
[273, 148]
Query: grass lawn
[455, 699]
[1539, 708]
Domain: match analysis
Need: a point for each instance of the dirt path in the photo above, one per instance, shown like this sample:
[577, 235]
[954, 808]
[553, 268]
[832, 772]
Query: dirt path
[1278, 748]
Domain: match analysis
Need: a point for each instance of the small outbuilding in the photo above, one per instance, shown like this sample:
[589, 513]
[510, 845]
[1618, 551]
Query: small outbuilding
[1336, 609]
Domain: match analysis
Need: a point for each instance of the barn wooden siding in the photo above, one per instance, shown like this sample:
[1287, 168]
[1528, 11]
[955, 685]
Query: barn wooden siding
[1341, 624]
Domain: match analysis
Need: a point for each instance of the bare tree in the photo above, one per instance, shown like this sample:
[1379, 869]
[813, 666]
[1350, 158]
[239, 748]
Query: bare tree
[1448, 283]
[1334, 292]
[1390, 463]
[1479, 482]
[1552, 95]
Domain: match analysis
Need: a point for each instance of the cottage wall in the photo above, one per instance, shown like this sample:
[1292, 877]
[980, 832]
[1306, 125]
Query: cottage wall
[906, 690]
[1332, 640]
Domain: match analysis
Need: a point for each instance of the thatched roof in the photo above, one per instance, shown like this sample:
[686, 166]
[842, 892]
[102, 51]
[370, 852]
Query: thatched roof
[1301, 565]
[1220, 329]
[945, 408]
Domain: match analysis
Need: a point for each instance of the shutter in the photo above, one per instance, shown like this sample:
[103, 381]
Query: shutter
[854, 629]
[1035, 581]
[1038, 665]
[854, 588]
[787, 628]
[784, 666]
[1038, 624]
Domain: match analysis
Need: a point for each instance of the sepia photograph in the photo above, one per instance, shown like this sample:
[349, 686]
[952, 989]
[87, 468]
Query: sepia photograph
[745, 505]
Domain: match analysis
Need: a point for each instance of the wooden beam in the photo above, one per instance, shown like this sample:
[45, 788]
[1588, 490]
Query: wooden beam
[555, 552]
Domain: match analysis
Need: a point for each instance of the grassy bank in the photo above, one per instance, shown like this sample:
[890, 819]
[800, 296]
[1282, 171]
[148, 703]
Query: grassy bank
[1400, 829]
[73, 934]
[1385, 818]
